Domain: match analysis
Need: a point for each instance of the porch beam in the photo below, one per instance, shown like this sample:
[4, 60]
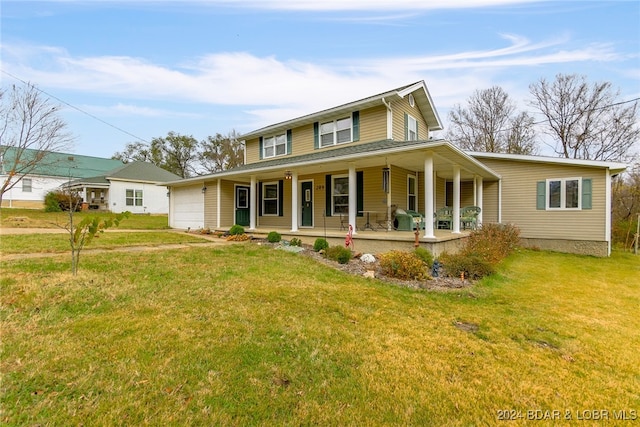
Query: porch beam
[218, 205]
[252, 203]
[456, 199]
[294, 201]
[353, 204]
[429, 191]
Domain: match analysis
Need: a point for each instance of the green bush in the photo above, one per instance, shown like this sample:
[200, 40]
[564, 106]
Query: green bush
[403, 265]
[274, 237]
[492, 242]
[295, 242]
[425, 255]
[473, 266]
[236, 230]
[320, 244]
[51, 203]
[339, 253]
[57, 201]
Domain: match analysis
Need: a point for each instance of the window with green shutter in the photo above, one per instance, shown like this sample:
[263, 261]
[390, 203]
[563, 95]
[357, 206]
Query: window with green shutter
[563, 194]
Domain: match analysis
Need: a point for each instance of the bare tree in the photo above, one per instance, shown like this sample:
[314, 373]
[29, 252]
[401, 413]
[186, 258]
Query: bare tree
[30, 129]
[587, 121]
[221, 152]
[490, 123]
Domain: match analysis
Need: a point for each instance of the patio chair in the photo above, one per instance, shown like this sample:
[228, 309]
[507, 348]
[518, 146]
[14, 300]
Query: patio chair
[444, 218]
[469, 217]
[404, 220]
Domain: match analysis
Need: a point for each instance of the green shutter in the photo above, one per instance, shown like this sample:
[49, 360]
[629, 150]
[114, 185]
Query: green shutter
[355, 120]
[541, 203]
[280, 198]
[289, 140]
[406, 127]
[327, 189]
[586, 193]
[260, 146]
[360, 193]
[316, 135]
[417, 128]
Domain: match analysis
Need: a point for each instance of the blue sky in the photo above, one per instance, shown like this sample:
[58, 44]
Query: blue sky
[142, 68]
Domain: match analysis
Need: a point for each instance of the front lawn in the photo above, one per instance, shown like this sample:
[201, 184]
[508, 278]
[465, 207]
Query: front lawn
[38, 218]
[248, 335]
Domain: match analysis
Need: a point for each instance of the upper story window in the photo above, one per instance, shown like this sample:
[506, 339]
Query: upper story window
[412, 128]
[274, 146]
[27, 185]
[335, 132]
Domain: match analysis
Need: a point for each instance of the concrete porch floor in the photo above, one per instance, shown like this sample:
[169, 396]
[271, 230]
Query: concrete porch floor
[373, 242]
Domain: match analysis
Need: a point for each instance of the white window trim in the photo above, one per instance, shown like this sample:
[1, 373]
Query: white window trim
[412, 126]
[274, 146]
[264, 198]
[563, 194]
[335, 132]
[134, 198]
[27, 185]
[333, 194]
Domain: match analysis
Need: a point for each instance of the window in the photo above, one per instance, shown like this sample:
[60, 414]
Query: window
[134, 197]
[564, 194]
[412, 129]
[335, 132]
[274, 146]
[270, 200]
[27, 185]
[340, 196]
[412, 197]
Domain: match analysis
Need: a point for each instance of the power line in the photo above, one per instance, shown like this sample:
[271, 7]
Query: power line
[77, 108]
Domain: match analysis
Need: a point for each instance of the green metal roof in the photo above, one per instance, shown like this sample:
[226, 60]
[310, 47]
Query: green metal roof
[59, 164]
[135, 171]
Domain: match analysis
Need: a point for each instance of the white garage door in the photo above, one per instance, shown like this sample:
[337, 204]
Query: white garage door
[187, 208]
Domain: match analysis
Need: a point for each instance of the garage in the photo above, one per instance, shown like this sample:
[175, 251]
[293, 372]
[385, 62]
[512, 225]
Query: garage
[187, 207]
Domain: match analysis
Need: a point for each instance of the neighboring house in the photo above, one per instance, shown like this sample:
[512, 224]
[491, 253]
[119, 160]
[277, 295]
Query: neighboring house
[131, 187]
[363, 163]
[51, 170]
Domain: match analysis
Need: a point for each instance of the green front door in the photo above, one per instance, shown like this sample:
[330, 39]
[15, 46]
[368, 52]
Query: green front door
[242, 205]
[307, 204]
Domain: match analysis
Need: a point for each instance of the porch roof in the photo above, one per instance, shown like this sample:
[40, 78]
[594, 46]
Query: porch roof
[406, 154]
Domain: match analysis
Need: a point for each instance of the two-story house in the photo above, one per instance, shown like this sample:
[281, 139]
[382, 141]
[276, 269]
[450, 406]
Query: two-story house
[373, 165]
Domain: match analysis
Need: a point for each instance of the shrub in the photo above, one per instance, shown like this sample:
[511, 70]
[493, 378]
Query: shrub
[56, 201]
[295, 242]
[425, 255]
[473, 266]
[338, 253]
[236, 230]
[320, 244]
[492, 242]
[403, 265]
[274, 237]
[51, 203]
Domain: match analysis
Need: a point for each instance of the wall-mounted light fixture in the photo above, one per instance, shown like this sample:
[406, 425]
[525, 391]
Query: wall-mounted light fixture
[204, 189]
[385, 179]
[287, 175]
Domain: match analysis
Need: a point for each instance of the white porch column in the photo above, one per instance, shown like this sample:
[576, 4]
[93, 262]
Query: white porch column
[294, 201]
[353, 204]
[479, 190]
[252, 203]
[456, 199]
[218, 203]
[429, 190]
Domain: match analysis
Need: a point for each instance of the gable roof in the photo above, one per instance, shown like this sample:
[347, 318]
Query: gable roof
[59, 164]
[418, 90]
[133, 172]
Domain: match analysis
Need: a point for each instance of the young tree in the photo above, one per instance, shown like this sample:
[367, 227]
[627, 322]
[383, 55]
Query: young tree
[30, 129]
[586, 120]
[221, 152]
[490, 123]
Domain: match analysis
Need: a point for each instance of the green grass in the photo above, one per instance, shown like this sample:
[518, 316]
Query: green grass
[247, 335]
[30, 243]
[38, 218]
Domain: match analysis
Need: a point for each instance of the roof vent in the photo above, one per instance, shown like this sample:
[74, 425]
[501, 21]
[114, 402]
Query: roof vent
[412, 101]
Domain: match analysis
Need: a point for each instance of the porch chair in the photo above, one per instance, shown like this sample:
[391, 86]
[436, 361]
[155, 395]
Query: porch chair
[469, 217]
[444, 218]
[344, 221]
[404, 220]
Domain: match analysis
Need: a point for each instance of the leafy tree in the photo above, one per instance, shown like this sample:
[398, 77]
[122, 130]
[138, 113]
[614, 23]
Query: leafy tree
[176, 153]
[30, 129]
[490, 123]
[586, 120]
[221, 152]
[626, 206]
[135, 152]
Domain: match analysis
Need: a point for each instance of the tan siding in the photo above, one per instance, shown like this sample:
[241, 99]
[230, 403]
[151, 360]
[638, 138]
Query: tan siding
[399, 110]
[490, 201]
[373, 124]
[227, 205]
[519, 201]
[253, 150]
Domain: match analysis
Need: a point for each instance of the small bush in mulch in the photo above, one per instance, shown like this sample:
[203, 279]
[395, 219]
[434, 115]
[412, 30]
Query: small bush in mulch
[236, 230]
[403, 265]
[338, 253]
[320, 244]
[492, 242]
[295, 242]
[425, 255]
[274, 237]
[470, 267]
